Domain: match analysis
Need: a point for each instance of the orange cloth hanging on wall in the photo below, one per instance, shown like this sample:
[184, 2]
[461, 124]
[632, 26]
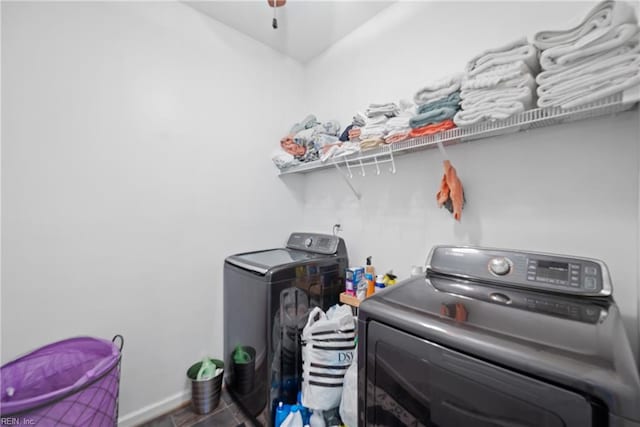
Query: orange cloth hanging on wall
[451, 194]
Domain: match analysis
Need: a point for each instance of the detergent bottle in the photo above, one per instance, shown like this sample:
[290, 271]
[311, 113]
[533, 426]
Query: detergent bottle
[282, 411]
[207, 369]
[294, 419]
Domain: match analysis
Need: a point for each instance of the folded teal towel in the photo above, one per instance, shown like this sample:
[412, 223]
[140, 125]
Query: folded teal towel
[451, 101]
[433, 116]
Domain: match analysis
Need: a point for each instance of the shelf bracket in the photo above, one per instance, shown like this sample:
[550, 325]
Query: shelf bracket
[347, 180]
[393, 162]
[348, 168]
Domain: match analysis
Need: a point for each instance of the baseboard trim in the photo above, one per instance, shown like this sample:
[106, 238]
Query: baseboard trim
[154, 410]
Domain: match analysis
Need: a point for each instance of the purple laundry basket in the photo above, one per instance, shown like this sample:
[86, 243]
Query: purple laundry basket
[73, 382]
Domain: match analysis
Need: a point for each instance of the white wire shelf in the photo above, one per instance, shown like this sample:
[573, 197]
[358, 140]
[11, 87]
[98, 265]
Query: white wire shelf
[531, 119]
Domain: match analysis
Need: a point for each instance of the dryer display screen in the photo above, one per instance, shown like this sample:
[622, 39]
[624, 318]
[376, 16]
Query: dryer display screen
[553, 270]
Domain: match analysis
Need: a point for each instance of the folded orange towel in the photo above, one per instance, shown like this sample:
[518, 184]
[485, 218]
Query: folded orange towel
[354, 133]
[396, 137]
[433, 128]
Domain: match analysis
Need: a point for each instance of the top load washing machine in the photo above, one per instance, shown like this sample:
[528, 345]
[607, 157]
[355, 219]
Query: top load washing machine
[497, 338]
[268, 295]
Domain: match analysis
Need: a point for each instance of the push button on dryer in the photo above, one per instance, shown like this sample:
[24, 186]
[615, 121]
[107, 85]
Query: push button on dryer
[590, 283]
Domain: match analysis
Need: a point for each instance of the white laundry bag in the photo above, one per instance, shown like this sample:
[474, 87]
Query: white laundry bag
[328, 348]
[349, 401]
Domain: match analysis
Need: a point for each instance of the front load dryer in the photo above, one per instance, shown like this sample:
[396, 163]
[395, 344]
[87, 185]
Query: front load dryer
[497, 338]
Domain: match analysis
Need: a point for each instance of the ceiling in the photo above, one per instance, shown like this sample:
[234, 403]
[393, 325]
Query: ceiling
[305, 28]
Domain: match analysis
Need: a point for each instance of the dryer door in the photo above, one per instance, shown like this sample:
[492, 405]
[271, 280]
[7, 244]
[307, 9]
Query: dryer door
[411, 381]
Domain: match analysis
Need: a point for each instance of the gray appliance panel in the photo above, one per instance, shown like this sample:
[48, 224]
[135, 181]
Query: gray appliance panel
[410, 380]
[546, 272]
[313, 242]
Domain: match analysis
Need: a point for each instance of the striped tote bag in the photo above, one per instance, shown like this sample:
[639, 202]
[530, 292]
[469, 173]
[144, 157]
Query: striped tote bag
[328, 348]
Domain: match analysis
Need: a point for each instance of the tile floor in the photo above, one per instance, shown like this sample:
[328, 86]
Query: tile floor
[227, 414]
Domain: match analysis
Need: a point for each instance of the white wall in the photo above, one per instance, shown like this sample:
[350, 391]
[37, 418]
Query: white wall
[136, 145]
[567, 189]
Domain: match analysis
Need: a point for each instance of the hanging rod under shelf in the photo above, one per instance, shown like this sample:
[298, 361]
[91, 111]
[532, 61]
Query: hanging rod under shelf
[531, 119]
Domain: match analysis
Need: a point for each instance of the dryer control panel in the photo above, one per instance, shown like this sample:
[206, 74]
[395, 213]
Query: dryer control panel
[532, 270]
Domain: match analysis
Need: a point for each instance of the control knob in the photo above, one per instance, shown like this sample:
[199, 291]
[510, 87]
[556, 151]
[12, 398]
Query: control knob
[308, 242]
[499, 266]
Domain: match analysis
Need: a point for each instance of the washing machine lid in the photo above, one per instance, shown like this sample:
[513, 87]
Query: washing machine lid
[262, 261]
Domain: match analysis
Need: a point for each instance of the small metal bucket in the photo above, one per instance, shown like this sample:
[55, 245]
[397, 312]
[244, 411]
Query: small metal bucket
[244, 372]
[205, 394]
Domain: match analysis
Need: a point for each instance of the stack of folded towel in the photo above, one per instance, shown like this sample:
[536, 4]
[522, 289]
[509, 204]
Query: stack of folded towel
[359, 119]
[390, 109]
[375, 129]
[398, 128]
[305, 141]
[598, 58]
[354, 134]
[436, 105]
[353, 131]
[499, 83]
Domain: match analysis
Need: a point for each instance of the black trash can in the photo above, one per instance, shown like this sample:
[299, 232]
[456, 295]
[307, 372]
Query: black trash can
[244, 370]
[205, 394]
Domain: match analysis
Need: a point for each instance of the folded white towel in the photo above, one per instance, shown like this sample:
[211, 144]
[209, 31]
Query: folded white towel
[282, 159]
[567, 55]
[591, 81]
[519, 50]
[438, 89]
[584, 65]
[499, 110]
[399, 121]
[376, 120]
[514, 75]
[603, 16]
[389, 109]
[525, 94]
[359, 119]
[373, 131]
